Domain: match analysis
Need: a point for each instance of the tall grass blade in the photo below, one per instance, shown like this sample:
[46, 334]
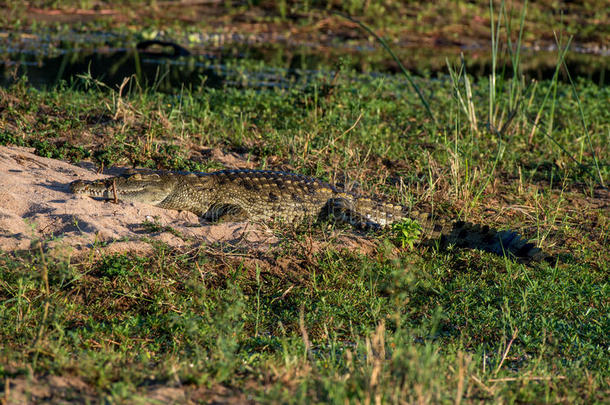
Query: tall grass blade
[404, 71]
[465, 101]
[584, 124]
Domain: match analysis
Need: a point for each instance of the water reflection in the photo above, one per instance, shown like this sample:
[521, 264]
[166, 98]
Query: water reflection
[168, 67]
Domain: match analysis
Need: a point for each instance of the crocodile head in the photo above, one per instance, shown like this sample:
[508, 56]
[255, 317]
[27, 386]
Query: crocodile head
[146, 188]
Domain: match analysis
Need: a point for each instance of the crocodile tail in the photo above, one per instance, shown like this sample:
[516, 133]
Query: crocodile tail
[473, 236]
[367, 213]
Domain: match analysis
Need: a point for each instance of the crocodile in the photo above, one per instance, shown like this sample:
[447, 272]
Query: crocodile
[276, 196]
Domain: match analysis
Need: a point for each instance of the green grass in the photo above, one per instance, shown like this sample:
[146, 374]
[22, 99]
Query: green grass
[304, 323]
[406, 327]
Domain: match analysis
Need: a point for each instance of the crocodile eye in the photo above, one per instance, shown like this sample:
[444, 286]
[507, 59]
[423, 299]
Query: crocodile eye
[136, 176]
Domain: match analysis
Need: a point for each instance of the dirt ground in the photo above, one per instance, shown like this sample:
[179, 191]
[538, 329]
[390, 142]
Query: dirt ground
[72, 389]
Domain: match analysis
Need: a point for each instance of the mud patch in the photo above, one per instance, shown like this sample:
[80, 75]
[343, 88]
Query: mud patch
[73, 390]
[49, 389]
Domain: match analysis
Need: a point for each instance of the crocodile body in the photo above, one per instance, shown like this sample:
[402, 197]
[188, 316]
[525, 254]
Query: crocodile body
[267, 196]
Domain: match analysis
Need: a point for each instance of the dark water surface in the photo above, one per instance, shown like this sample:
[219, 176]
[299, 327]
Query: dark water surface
[169, 68]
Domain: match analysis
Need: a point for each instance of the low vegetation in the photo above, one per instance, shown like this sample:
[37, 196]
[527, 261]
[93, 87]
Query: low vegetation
[434, 23]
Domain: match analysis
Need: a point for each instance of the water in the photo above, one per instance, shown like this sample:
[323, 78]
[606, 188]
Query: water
[48, 61]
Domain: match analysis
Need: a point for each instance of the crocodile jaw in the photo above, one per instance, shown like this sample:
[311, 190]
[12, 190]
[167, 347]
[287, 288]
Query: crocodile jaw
[149, 189]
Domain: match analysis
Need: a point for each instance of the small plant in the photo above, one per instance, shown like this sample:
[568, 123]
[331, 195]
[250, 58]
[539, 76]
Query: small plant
[407, 232]
[118, 265]
[155, 226]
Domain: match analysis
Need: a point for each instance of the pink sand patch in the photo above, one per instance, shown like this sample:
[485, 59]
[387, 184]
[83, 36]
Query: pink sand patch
[36, 205]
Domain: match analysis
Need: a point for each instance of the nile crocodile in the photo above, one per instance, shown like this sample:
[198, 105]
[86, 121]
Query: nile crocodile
[264, 196]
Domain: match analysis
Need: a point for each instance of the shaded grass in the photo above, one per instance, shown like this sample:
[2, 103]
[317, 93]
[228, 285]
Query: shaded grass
[386, 328]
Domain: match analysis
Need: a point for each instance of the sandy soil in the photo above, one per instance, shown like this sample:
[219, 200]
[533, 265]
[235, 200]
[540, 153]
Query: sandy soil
[36, 206]
[38, 209]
